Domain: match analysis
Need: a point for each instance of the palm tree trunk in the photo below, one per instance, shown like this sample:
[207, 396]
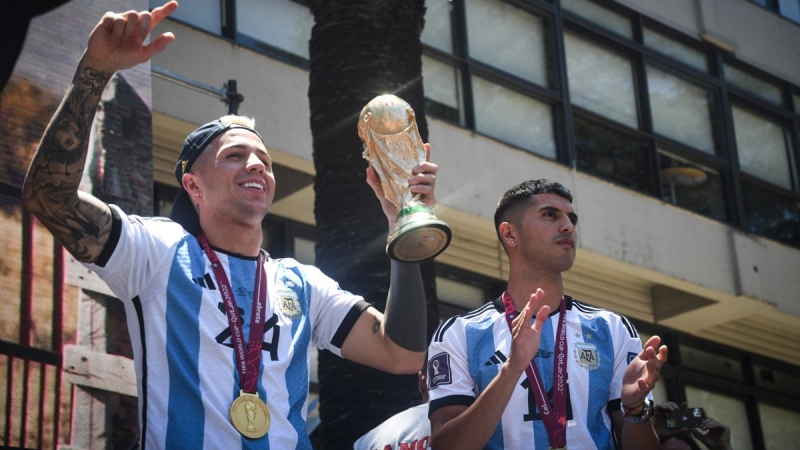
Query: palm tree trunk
[359, 49]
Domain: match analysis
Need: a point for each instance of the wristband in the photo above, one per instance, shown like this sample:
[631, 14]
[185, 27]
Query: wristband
[641, 419]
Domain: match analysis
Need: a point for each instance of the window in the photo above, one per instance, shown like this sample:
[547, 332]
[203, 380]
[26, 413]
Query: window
[779, 426]
[601, 80]
[790, 9]
[753, 84]
[612, 155]
[437, 32]
[597, 14]
[282, 24]
[691, 186]
[709, 362]
[513, 118]
[203, 14]
[724, 409]
[442, 85]
[508, 38]
[675, 49]
[681, 110]
[764, 147]
[771, 214]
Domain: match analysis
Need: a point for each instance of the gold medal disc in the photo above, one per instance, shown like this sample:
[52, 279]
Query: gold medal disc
[250, 415]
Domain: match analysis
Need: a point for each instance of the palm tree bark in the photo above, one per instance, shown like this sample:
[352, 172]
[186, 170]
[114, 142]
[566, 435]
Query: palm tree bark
[359, 49]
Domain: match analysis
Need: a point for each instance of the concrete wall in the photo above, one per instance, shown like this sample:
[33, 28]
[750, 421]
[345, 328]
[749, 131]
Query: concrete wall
[762, 38]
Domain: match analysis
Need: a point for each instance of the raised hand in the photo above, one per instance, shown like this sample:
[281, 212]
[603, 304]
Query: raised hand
[117, 41]
[525, 337]
[643, 373]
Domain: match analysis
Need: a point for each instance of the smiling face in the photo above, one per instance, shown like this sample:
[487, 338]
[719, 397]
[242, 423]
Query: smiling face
[232, 179]
[545, 233]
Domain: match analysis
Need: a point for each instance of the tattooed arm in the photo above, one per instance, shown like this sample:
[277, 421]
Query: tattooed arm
[78, 220]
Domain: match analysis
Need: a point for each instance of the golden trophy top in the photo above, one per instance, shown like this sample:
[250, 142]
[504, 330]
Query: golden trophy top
[392, 144]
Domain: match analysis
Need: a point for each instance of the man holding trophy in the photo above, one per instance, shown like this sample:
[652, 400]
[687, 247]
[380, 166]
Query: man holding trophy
[222, 364]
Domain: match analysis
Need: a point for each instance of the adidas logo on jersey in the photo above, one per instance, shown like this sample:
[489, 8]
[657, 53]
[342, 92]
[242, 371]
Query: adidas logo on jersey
[497, 358]
[206, 282]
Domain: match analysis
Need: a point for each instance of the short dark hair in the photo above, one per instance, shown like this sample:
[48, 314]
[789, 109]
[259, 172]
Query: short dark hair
[520, 197]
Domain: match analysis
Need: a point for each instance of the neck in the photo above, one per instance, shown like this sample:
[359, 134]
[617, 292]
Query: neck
[521, 287]
[238, 240]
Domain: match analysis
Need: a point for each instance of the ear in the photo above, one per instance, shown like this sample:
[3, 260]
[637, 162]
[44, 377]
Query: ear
[508, 234]
[191, 184]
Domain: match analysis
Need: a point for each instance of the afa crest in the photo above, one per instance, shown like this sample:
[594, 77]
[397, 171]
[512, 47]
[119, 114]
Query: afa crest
[288, 302]
[586, 356]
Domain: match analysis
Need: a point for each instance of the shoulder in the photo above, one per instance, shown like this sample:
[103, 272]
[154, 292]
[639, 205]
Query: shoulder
[613, 319]
[156, 225]
[308, 273]
[489, 311]
[133, 234]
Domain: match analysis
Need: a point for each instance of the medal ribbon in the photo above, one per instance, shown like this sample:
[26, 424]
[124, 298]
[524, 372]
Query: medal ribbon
[247, 358]
[555, 418]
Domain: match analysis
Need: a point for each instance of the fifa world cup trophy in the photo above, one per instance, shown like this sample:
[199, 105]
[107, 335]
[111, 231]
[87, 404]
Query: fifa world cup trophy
[393, 147]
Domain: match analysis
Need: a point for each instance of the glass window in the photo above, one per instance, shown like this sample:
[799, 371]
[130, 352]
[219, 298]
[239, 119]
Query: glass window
[203, 14]
[691, 186]
[764, 147]
[796, 103]
[724, 409]
[600, 80]
[597, 14]
[779, 427]
[442, 86]
[283, 24]
[707, 361]
[437, 32]
[681, 110]
[770, 214]
[776, 380]
[612, 155]
[675, 49]
[513, 118]
[753, 84]
[508, 38]
[790, 9]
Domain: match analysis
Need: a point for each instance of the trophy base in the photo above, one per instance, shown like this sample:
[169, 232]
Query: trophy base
[418, 240]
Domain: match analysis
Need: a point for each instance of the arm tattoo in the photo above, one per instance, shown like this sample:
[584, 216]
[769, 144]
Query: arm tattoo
[79, 221]
[376, 327]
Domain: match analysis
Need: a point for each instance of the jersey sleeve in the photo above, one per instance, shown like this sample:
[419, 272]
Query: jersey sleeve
[136, 252]
[449, 379]
[334, 310]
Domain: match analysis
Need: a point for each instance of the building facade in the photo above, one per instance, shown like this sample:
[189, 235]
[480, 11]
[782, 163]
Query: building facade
[675, 124]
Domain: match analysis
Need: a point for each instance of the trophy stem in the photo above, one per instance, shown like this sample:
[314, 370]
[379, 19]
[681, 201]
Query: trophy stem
[418, 235]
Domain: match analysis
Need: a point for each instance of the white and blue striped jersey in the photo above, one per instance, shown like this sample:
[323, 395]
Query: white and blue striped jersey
[467, 352]
[181, 341]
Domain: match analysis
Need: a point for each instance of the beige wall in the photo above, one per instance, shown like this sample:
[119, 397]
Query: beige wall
[762, 38]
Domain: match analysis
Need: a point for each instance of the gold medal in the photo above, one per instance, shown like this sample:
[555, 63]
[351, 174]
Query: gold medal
[250, 415]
